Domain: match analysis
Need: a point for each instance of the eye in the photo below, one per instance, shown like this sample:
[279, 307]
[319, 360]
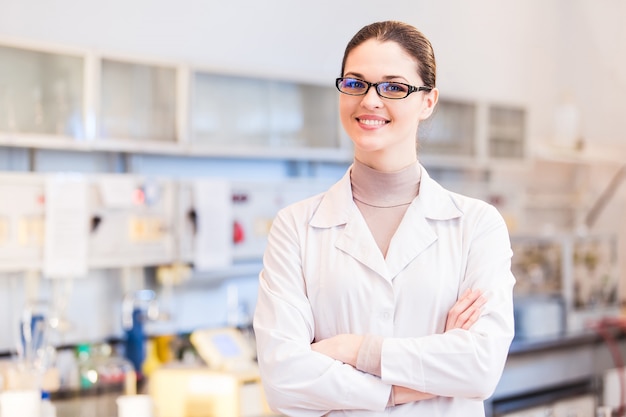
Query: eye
[353, 84]
[396, 88]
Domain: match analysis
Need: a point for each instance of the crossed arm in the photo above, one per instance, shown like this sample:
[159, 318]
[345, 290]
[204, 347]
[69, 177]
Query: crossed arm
[347, 347]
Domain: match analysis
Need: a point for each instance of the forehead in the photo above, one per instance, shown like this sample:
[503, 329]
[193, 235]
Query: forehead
[375, 59]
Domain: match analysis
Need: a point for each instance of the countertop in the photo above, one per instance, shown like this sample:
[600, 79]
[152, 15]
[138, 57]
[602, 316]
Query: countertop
[565, 340]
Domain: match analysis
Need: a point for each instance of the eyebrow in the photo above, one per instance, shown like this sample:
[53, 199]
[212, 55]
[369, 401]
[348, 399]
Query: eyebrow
[385, 78]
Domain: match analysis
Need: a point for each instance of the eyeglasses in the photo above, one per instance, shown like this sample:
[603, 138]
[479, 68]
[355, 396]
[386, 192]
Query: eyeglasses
[385, 89]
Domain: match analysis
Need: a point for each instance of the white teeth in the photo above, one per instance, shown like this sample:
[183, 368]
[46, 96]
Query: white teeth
[371, 122]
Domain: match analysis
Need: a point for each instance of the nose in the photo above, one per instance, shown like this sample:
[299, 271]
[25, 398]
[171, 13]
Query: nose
[371, 100]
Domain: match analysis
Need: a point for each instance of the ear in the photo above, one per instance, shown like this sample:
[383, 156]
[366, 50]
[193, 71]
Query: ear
[430, 101]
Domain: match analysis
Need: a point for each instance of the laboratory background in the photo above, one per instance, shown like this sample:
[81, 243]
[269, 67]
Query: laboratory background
[145, 147]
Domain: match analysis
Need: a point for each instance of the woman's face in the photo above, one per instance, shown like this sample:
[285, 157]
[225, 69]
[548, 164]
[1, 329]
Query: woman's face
[384, 131]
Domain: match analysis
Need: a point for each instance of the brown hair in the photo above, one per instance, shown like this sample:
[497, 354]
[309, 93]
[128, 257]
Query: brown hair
[408, 37]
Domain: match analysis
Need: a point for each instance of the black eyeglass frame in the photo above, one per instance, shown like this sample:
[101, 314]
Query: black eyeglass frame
[411, 88]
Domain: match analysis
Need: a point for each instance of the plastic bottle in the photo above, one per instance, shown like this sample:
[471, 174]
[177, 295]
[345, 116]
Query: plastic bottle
[47, 408]
[88, 376]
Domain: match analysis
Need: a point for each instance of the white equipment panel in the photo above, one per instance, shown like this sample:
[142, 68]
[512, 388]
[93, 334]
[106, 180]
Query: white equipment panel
[254, 205]
[131, 221]
[22, 212]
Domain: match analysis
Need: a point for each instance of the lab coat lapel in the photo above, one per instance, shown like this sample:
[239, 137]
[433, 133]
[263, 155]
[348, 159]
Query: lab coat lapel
[415, 233]
[412, 238]
[338, 209]
[358, 242]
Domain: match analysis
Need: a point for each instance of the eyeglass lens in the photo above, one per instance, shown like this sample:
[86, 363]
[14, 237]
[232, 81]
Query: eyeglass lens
[358, 87]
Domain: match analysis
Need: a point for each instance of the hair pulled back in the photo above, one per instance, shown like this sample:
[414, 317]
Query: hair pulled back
[408, 37]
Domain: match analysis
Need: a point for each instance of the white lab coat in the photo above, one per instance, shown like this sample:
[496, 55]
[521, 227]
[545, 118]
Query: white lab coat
[324, 275]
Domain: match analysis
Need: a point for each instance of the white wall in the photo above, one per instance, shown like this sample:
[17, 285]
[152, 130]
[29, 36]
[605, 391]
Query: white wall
[593, 67]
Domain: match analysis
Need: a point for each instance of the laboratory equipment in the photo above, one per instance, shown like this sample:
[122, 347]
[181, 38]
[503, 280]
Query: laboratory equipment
[224, 349]
[22, 214]
[248, 209]
[137, 307]
[131, 221]
[572, 279]
[228, 385]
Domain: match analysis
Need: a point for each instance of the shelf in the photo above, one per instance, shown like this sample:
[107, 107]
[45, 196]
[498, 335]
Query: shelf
[601, 153]
[64, 143]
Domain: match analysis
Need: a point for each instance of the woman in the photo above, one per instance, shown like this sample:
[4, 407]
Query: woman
[369, 296]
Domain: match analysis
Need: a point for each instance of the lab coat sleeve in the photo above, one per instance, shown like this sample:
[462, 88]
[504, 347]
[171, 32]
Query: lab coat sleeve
[464, 363]
[297, 380]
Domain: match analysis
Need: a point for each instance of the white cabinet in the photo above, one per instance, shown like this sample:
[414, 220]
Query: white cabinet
[253, 112]
[87, 101]
[41, 92]
[463, 133]
[129, 105]
[506, 132]
[137, 101]
[450, 130]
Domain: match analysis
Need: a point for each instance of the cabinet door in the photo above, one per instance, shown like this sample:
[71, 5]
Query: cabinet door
[137, 101]
[506, 132]
[450, 130]
[304, 115]
[240, 111]
[41, 92]
[230, 110]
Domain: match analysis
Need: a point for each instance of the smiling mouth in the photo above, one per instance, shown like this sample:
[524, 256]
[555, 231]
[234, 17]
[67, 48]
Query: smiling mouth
[372, 122]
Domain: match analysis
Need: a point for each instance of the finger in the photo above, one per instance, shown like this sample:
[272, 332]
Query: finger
[472, 314]
[471, 320]
[467, 299]
[476, 305]
[467, 317]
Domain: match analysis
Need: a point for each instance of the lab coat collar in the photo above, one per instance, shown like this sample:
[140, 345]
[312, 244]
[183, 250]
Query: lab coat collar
[337, 205]
[438, 203]
[412, 238]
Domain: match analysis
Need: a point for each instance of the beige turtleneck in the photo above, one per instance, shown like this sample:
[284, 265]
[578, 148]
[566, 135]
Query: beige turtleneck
[382, 198]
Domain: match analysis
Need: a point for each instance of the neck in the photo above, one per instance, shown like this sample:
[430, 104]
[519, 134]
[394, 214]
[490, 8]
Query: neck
[386, 164]
[387, 160]
[384, 189]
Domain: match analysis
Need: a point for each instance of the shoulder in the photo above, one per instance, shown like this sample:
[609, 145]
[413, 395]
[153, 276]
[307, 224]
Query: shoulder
[441, 203]
[328, 208]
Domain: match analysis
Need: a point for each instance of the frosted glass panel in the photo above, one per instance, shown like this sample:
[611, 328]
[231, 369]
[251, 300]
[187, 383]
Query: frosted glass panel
[239, 111]
[506, 132]
[41, 92]
[321, 119]
[137, 102]
[450, 130]
[230, 110]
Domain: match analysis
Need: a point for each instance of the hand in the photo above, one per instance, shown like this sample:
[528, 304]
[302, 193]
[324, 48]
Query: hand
[466, 311]
[463, 314]
[342, 347]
